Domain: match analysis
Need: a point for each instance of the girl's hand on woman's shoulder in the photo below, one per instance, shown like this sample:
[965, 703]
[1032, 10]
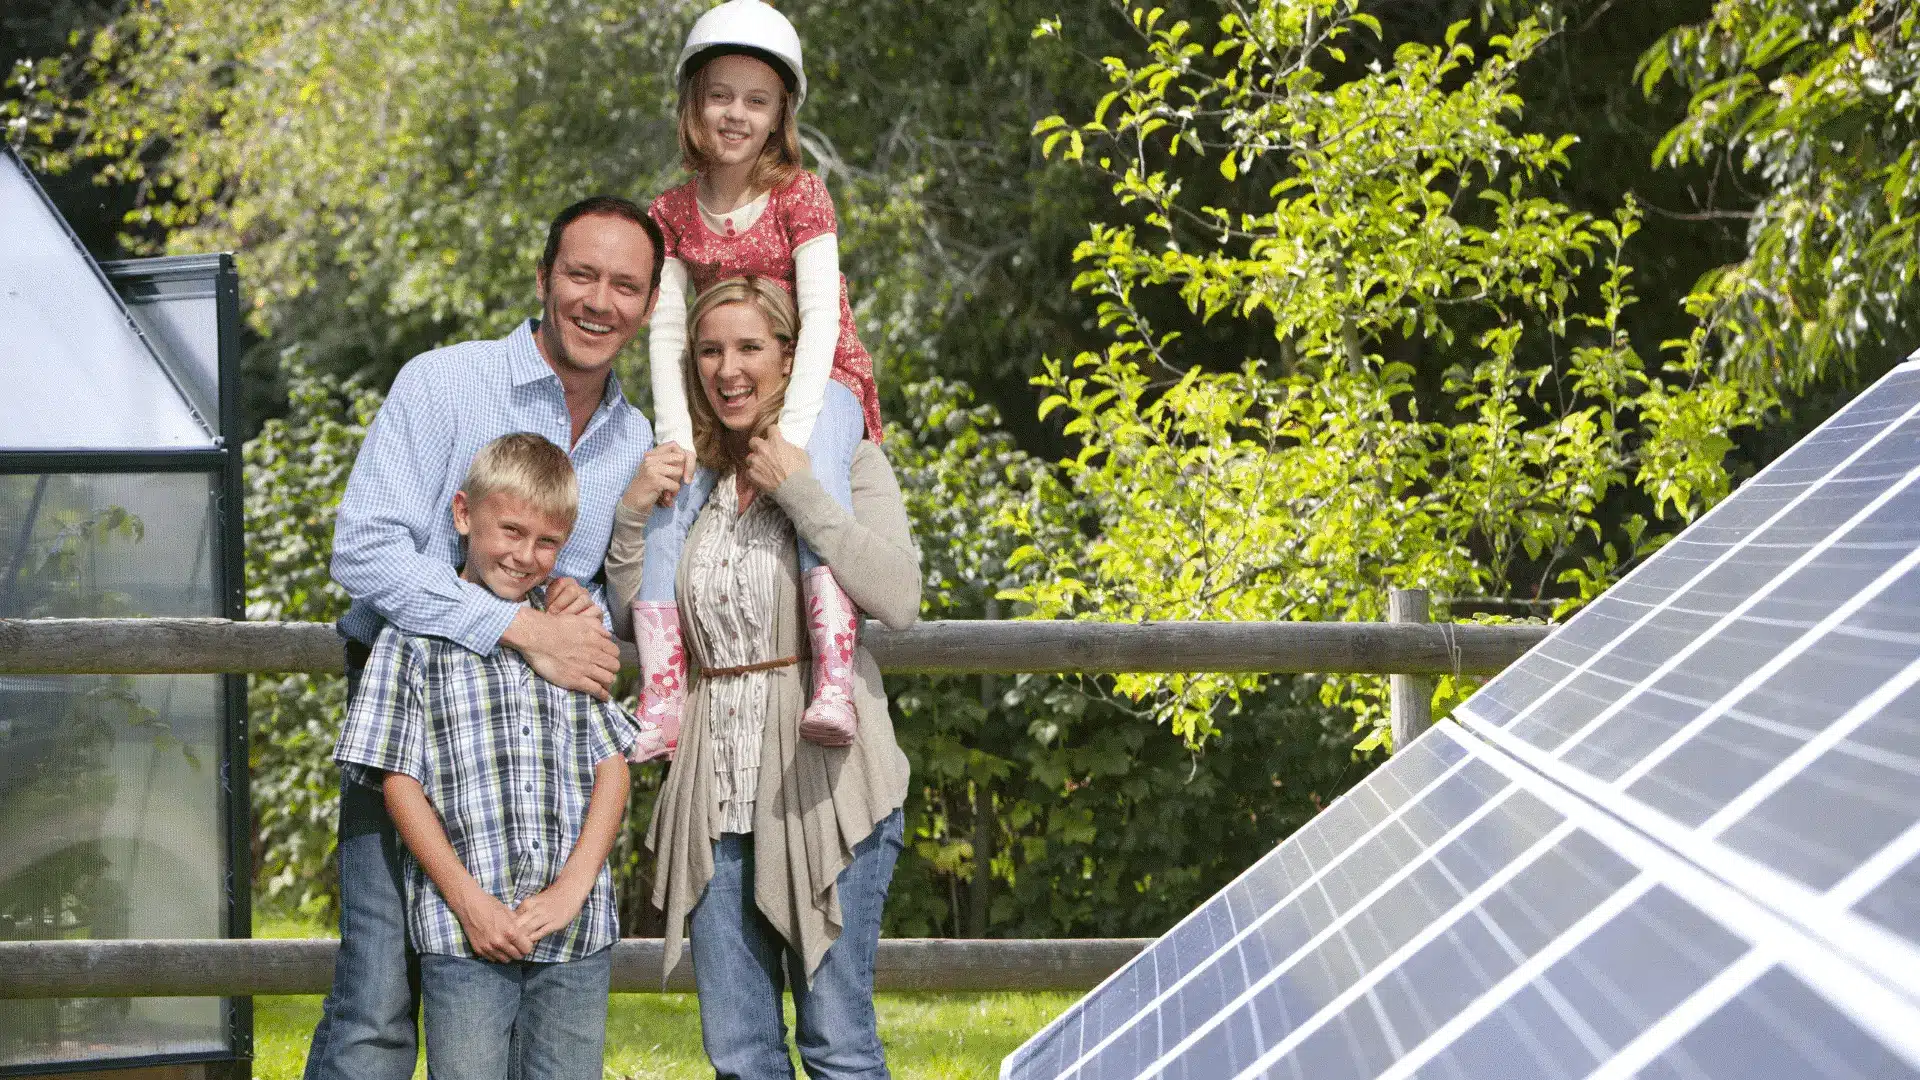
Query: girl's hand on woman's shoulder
[659, 477]
[771, 459]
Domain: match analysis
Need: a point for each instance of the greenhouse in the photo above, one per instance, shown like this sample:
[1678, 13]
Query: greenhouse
[123, 799]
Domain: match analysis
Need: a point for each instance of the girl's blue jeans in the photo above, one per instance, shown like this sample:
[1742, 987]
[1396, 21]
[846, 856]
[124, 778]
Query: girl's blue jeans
[836, 435]
[738, 967]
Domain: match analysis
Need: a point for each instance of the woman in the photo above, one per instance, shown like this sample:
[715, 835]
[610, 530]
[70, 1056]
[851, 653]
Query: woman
[779, 844]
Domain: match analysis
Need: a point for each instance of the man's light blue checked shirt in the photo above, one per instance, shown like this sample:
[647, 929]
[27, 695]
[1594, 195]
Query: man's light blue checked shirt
[507, 761]
[394, 548]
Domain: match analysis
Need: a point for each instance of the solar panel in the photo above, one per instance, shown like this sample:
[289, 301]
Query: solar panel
[1680, 838]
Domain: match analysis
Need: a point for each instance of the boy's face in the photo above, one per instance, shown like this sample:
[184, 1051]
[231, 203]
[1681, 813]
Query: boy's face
[510, 545]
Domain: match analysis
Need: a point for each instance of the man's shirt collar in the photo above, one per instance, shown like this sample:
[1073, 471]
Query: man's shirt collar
[523, 355]
[527, 365]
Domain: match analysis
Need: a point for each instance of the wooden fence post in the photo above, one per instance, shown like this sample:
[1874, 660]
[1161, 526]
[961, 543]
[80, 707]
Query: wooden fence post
[983, 820]
[1412, 695]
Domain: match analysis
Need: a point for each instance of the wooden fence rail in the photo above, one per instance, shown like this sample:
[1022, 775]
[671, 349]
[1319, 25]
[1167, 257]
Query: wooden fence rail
[204, 646]
[223, 968]
[242, 967]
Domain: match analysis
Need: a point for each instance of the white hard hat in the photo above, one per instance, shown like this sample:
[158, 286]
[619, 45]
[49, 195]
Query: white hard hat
[748, 25]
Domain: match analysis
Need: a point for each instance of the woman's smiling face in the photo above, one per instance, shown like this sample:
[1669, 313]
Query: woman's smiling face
[743, 366]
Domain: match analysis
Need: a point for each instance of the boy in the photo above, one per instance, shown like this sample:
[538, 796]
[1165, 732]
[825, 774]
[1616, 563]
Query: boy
[507, 791]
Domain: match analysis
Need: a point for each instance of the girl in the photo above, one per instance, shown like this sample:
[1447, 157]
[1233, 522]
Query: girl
[751, 209]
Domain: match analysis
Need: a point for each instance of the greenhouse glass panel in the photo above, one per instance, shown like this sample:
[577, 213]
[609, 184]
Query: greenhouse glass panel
[123, 798]
[80, 373]
[113, 812]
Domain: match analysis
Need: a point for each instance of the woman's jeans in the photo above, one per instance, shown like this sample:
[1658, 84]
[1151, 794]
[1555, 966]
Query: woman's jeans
[545, 1021]
[836, 435]
[737, 959]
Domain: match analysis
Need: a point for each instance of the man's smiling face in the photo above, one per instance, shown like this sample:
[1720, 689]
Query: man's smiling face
[597, 294]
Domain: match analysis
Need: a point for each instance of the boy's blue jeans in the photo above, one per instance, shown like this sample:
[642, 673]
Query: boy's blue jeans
[737, 957]
[547, 1021]
[836, 435]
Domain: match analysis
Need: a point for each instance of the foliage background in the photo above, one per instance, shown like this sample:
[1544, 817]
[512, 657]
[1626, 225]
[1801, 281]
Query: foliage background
[384, 170]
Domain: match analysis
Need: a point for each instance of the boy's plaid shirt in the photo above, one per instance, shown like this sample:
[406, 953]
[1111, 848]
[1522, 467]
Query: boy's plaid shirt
[507, 760]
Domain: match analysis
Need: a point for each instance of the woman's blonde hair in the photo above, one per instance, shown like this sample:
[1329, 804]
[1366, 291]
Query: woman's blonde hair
[779, 159]
[710, 443]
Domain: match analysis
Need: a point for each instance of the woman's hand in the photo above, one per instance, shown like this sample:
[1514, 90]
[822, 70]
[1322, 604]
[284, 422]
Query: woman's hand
[771, 459]
[661, 473]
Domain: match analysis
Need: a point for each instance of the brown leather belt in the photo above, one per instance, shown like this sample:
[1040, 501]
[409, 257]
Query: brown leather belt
[745, 669]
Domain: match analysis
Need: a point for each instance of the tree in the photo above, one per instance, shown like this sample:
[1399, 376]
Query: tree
[1040, 809]
[297, 468]
[1374, 207]
[386, 173]
[1809, 114]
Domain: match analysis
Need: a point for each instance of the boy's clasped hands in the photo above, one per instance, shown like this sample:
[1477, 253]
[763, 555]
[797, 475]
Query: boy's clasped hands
[500, 933]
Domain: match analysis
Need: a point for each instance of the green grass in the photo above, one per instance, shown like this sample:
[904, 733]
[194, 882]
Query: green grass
[657, 1036]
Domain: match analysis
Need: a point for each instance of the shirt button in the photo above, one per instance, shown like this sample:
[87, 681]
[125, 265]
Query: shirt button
[536, 845]
[530, 788]
[723, 598]
[525, 730]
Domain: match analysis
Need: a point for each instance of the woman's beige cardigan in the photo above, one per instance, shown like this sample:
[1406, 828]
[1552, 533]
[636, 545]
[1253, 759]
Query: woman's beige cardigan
[814, 803]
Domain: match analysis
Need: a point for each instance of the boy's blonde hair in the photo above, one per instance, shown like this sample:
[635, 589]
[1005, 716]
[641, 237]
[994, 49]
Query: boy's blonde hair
[710, 444]
[529, 468]
[779, 159]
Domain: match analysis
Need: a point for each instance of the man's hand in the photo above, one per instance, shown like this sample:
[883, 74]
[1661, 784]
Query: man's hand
[771, 459]
[552, 908]
[566, 596]
[660, 476]
[571, 651]
[492, 928]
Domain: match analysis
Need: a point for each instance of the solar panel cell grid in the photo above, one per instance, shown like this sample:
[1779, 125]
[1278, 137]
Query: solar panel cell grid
[1246, 900]
[1778, 1027]
[1626, 733]
[1288, 927]
[1895, 903]
[1681, 838]
[1848, 804]
[1454, 958]
[1309, 975]
[1691, 585]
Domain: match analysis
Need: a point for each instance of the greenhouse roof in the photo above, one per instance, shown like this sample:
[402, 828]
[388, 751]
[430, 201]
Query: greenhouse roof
[79, 373]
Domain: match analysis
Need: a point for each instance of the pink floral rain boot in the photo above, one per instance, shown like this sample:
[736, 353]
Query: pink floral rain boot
[832, 622]
[663, 678]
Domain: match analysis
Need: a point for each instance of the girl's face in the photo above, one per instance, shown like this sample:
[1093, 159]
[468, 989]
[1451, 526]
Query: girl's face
[742, 365]
[742, 100]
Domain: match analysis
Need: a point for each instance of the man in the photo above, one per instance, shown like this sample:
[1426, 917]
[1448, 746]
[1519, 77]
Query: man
[396, 553]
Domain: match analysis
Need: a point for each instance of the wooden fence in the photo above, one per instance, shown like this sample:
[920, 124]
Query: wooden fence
[1408, 648]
